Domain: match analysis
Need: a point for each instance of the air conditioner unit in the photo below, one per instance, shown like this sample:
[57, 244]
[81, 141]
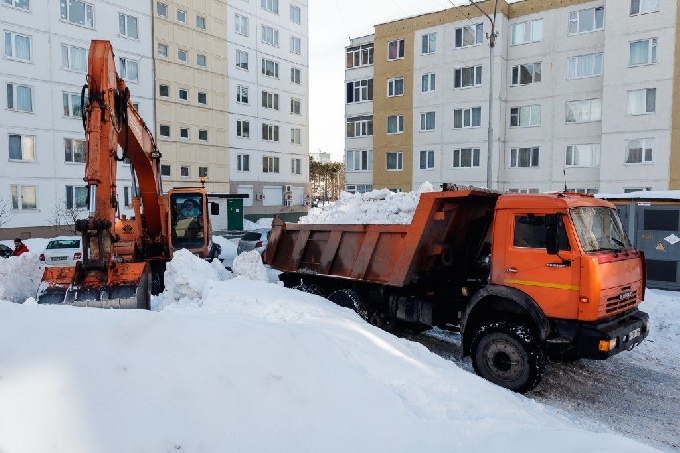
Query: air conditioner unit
[259, 196]
[287, 188]
[288, 203]
[289, 196]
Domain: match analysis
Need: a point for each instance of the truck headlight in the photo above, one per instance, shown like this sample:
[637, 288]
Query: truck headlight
[607, 345]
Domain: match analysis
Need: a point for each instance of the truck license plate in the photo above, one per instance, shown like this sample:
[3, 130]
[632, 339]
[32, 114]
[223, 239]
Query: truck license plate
[634, 334]
[59, 258]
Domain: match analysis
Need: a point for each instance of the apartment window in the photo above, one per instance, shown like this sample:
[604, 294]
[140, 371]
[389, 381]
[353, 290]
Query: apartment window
[526, 115]
[128, 69]
[469, 117]
[183, 94]
[295, 136]
[524, 157]
[77, 12]
[23, 197]
[203, 135]
[165, 170]
[76, 197]
[643, 52]
[583, 155]
[466, 158]
[429, 43]
[243, 128]
[270, 68]
[200, 61]
[200, 22]
[74, 58]
[162, 9]
[74, 150]
[202, 98]
[295, 75]
[469, 35]
[395, 49]
[202, 172]
[182, 55]
[242, 59]
[427, 121]
[242, 162]
[270, 36]
[360, 56]
[585, 66]
[241, 25]
[586, 20]
[270, 133]
[184, 171]
[640, 151]
[526, 32]
[395, 161]
[162, 50]
[21, 147]
[359, 160]
[71, 105]
[295, 106]
[427, 160]
[241, 94]
[184, 133]
[427, 82]
[584, 111]
[21, 4]
[181, 16]
[295, 45]
[270, 100]
[17, 47]
[359, 91]
[643, 7]
[127, 26]
[163, 91]
[270, 164]
[19, 97]
[358, 188]
[467, 77]
[641, 102]
[395, 124]
[295, 14]
[395, 87]
[296, 166]
[360, 126]
[164, 130]
[270, 5]
[524, 74]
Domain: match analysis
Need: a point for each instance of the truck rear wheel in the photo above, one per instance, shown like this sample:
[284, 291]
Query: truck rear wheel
[349, 299]
[508, 355]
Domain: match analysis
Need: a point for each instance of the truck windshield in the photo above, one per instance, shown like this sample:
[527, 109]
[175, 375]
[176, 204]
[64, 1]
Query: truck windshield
[187, 220]
[599, 228]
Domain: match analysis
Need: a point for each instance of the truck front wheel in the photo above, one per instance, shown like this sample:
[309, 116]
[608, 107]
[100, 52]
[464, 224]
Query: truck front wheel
[508, 355]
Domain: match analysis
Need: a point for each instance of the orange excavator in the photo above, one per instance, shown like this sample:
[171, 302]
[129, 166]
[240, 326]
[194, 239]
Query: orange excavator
[124, 258]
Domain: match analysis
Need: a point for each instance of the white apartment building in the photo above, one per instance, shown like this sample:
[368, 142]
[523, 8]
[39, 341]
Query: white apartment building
[583, 97]
[268, 86]
[43, 68]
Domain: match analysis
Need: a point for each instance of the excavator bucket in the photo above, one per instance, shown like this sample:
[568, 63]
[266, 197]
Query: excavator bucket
[124, 285]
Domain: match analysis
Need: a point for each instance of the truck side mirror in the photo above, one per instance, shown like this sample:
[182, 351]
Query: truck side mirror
[552, 239]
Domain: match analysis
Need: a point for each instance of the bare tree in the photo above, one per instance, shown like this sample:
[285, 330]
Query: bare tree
[63, 218]
[6, 212]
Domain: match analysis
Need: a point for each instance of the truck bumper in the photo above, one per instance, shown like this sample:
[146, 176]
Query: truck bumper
[622, 334]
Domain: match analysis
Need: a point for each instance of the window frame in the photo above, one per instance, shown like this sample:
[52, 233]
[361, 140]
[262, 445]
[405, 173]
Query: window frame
[399, 124]
[70, 154]
[362, 157]
[294, 71]
[431, 78]
[269, 35]
[162, 6]
[652, 52]
[271, 164]
[361, 91]
[393, 84]
[241, 94]
[270, 133]
[458, 77]
[13, 47]
[125, 33]
[296, 106]
[243, 163]
[516, 76]
[15, 97]
[400, 51]
[572, 151]
[573, 64]
[164, 54]
[428, 43]
[579, 109]
[17, 193]
[275, 68]
[641, 11]
[203, 135]
[428, 121]
[198, 22]
[242, 59]
[295, 166]
[534, 153]
[181, 16]
[293, 15]
[576, 20]
[527, 37]
[69, 49]
[359, 56]
[242, 24]
[361, 123]
[398, 163]
[648, 100]
[88, 22]
[458, 156]
[295, 136]
[470, 111]
[123, 69]
[517, 113]
[23, 140]
[295, 45]
[477, 30]
[69, 97]
[644, 160]
[243, 129]
[428, 155]
[271, 6]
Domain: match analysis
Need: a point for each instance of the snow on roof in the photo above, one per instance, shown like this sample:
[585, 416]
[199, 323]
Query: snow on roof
[642, 195]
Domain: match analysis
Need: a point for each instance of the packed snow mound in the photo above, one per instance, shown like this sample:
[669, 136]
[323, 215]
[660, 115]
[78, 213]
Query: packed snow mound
[249, 265]
[184, 278]
[260, 224]
[20, 277]
[377, 207]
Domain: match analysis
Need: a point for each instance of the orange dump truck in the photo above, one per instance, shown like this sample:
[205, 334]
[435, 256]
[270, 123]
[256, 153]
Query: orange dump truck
[524, 277]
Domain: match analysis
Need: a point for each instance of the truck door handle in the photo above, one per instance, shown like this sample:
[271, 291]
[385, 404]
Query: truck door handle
[511, 270]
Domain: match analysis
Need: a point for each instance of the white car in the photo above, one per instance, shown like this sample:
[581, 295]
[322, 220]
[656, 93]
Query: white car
[253, 240]
[62, 251]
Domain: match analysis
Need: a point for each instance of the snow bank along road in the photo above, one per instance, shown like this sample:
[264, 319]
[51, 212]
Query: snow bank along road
[636, 393]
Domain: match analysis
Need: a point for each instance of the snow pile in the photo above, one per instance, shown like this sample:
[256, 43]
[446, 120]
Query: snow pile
[249, 265]
[260, 224]
[228, 247]
[376, 207]
[20, 277]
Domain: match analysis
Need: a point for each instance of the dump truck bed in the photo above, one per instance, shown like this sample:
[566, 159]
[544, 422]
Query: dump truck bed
[446, 231]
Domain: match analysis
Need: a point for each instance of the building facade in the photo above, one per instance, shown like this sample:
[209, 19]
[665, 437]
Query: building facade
[43, 68]
[583, 98]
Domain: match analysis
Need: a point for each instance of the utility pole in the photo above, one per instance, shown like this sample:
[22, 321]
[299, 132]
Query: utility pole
[492, 44]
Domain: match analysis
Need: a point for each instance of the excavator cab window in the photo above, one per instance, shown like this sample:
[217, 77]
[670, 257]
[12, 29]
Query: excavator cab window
[187, 220]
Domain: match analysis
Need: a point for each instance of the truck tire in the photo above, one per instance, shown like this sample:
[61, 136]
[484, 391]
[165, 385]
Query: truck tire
[349, 299]
[508, 355]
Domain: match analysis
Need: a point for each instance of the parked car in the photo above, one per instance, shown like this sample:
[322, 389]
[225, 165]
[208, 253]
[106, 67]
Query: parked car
[253, 240]
[62, 251]
[5, 252]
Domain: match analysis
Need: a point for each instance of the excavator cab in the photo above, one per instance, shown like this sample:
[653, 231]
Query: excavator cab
[189, 225]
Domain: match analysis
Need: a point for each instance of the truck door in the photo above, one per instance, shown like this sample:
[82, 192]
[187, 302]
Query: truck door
[551, 280]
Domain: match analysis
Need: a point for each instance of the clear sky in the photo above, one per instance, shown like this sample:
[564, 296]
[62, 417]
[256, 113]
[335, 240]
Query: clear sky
[331, 24]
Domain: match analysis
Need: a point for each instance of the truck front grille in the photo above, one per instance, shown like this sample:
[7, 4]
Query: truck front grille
[621, 302]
